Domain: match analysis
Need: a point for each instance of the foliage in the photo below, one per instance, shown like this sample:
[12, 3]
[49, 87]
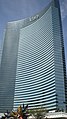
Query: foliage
[38, 112]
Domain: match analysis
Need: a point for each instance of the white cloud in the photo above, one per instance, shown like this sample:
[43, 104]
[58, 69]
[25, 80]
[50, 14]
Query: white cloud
[63, 8]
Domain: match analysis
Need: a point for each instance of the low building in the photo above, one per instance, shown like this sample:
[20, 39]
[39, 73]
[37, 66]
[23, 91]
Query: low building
[56, 115]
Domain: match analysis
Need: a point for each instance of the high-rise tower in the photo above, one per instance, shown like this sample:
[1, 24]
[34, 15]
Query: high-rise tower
[33, 63]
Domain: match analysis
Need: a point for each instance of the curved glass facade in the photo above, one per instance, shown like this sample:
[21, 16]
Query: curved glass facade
[34, 62]
[39, 75]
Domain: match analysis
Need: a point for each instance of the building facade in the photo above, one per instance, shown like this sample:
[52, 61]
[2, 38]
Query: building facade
[33, 63]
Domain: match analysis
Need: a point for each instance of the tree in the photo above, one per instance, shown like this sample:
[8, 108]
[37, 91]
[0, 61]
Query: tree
[39, 113]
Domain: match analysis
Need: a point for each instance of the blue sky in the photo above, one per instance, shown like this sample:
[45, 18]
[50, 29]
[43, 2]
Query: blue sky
[11, 10]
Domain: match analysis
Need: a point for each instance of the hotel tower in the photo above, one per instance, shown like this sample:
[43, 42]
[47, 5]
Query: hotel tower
[32, 67]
